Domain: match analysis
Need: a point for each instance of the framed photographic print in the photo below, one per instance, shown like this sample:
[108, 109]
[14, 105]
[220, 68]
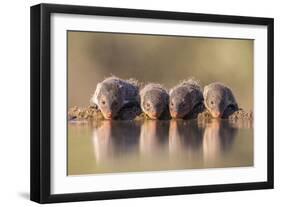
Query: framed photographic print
[132, 103]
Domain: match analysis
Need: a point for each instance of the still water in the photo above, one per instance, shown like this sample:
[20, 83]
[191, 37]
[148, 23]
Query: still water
[131, 146]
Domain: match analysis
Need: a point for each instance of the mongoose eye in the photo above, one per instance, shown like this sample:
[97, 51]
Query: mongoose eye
[212, 102]
[172, 104]
[103, 102]
[147, 105]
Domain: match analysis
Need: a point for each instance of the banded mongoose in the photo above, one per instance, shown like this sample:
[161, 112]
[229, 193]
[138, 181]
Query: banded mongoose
[186, 98]
[154, 100]
[219, 100]
[114, 93]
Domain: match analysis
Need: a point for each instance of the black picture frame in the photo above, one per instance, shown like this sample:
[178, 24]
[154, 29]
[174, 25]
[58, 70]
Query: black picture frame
[41, 98]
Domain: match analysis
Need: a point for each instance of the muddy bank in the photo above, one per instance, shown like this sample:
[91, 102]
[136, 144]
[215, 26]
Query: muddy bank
[238, 115]
[239, 119]
[135, 113]
[93, 113]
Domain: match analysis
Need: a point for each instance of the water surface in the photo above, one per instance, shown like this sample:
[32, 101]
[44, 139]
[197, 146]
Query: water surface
[150, 145]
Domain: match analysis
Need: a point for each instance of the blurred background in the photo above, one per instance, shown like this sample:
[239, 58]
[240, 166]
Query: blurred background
[93, 56]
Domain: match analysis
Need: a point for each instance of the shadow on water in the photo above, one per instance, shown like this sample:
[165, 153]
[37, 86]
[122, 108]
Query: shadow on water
[121, 146]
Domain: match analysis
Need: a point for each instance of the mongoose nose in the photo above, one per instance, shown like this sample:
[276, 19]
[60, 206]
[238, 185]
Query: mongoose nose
[109, 115]
[216, 114]
[154, 114]
[174, 114]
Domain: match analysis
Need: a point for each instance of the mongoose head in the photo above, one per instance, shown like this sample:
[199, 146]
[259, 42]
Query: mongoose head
[180, 102]
[154, 101]
[184, 98]
[218, 99]
[110, 99]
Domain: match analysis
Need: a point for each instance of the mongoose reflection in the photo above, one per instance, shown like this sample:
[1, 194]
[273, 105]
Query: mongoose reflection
[114, 140]
[154, 140]
[114, 93]
[219, 100]
[184, 136]
[218, 140]
[154, 100]
[185, 99]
